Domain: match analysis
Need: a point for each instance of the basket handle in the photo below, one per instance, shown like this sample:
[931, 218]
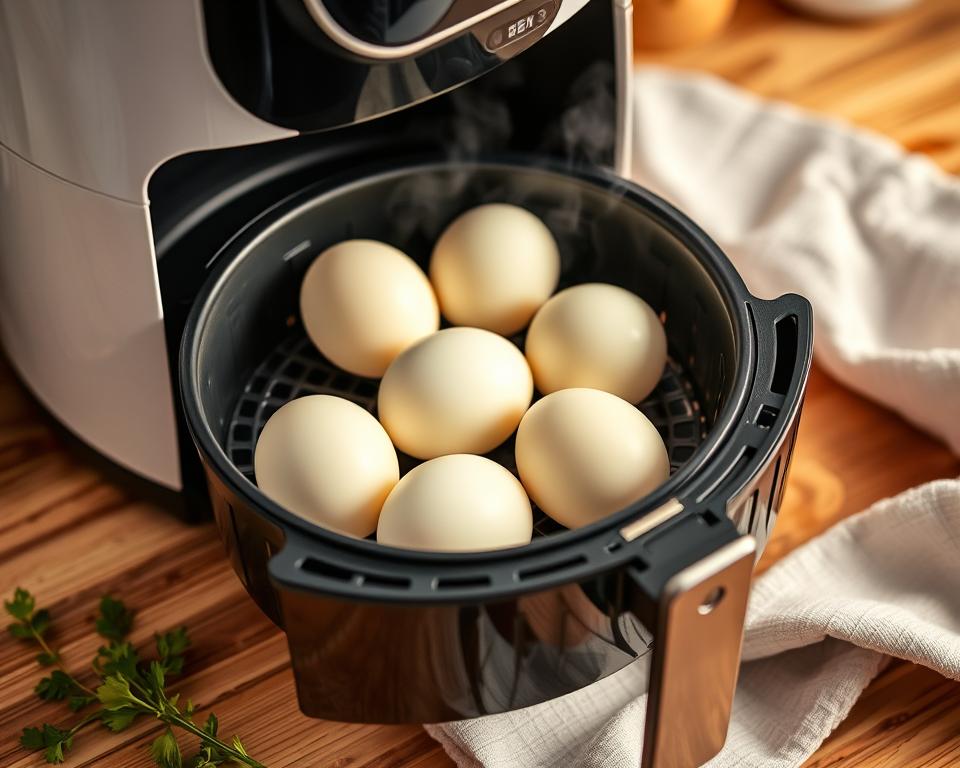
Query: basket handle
[691, 591]
[759, 450]
[696, 615]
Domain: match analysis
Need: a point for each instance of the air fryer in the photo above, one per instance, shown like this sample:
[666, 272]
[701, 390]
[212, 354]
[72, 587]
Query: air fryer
[378, 634]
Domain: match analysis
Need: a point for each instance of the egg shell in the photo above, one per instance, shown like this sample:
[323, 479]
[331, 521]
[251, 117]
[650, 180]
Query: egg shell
[583, 454]
[597, 336]
[328, 461]
[457, 503]
[493, 267]
[363, 302]
[461, 390]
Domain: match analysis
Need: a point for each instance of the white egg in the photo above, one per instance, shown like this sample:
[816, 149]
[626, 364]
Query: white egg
[458, 503]
[583, 454]
[328, 461]
[461, 390]
[597, 336]
[493, 267]
[363, 302]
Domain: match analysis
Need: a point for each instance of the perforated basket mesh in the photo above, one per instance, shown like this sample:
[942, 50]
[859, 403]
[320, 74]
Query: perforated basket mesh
[295, 368]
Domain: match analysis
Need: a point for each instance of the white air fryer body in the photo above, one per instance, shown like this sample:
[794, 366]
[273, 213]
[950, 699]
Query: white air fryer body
[94, 96]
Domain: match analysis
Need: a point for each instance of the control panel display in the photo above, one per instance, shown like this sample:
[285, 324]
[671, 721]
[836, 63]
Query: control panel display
[521, 26]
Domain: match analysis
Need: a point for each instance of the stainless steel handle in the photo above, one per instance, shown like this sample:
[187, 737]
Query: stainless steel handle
[698, 629]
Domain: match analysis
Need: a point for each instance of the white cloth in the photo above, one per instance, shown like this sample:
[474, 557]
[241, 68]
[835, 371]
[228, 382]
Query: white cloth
[872, 237]
[800, 203]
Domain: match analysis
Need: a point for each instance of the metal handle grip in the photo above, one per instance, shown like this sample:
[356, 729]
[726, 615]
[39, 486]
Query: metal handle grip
[698, 628]
[694, 599]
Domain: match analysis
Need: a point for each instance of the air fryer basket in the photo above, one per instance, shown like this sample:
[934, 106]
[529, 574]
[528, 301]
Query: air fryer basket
[378, 634]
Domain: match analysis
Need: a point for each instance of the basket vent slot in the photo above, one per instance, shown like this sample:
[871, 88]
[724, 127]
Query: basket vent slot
[709, 518]
[338, 573]
[391, 582]
[767, 415]
[544, 570]
[754, 497]
[787, 333]
[327, 570]
[463, 582]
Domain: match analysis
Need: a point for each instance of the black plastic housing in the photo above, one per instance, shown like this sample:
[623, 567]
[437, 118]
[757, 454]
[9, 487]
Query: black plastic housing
[385, 635]
[275, 60]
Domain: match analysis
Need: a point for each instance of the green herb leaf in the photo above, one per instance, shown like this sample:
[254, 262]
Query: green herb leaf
[55, 743]
[77, 703]
[155, 677]
[48, 659]
[128, 688]
[32, 739]
[171, 646]
[212, 725]
[205, 759]
[238, 745]
[40, 621]
[56, 687]
[54, 753]
[20, 631]
[165, 751]
[115, 620]
[21, 606]
[172, 643]
[118, 659]
[211, 753]
[115, 693]
[119, 719]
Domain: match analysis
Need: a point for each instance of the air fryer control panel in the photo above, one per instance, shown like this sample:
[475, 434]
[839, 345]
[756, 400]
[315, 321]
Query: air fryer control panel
[399, 22]
[319, 64]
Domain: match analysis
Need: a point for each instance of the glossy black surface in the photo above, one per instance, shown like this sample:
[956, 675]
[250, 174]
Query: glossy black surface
[389, 21]
[384, 635]
[276, 62]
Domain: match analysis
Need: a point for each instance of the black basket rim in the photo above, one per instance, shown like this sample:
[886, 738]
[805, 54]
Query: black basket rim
[730, 285]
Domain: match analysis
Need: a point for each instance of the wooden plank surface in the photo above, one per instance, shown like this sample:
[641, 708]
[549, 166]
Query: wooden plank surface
[69, 535]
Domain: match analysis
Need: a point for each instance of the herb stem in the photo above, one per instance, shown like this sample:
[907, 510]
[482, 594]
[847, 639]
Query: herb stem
[182, 722]
[93, 716]
[171, 716]
[143, 692]
[56, 656]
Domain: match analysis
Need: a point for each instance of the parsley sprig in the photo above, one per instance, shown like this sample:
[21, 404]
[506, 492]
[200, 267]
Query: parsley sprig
[129, 687]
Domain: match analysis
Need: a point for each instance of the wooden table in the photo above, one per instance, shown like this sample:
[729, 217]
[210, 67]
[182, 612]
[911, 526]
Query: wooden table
[70, 536]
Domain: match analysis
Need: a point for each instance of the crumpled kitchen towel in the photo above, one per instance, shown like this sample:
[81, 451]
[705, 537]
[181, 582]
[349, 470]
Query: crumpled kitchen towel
[871, 236]
[820, 625]
[868, 233]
